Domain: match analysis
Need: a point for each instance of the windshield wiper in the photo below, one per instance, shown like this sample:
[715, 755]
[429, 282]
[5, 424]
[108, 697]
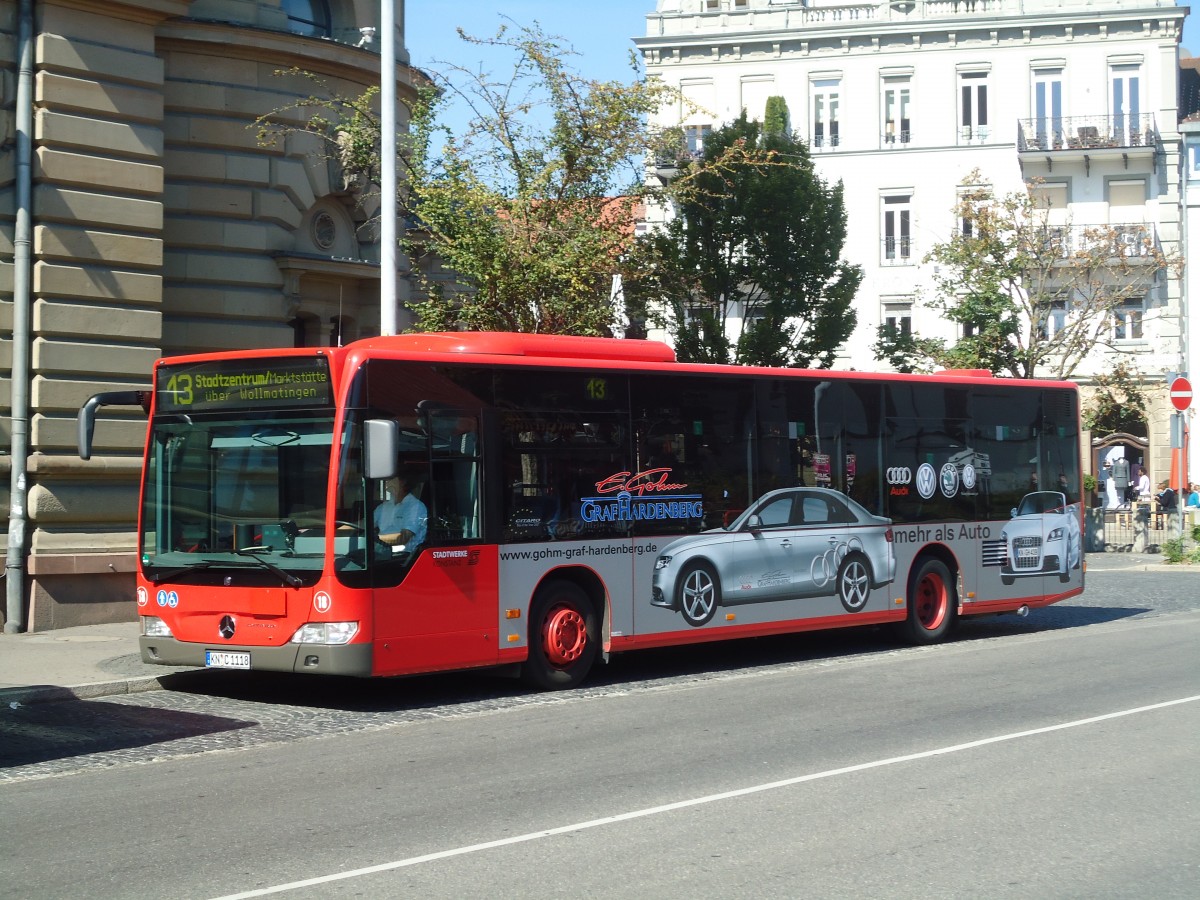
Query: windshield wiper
[288, 577]
[181, 570]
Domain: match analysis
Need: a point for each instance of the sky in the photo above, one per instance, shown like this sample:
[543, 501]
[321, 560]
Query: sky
[601, 33]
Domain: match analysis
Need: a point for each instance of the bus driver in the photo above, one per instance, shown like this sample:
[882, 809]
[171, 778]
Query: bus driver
[401, 519]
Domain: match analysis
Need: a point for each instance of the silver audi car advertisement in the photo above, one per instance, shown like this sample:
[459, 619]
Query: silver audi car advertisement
[790, 544]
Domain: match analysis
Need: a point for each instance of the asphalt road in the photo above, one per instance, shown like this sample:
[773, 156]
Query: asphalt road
[1052, 756]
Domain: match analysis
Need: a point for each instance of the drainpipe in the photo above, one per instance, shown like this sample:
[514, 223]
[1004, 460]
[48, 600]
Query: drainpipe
[14, 563]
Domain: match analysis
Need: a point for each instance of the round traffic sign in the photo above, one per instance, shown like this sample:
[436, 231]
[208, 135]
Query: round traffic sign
[1181, 394]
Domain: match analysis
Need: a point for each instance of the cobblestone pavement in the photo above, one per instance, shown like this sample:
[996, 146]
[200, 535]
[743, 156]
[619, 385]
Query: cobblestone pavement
[207, 711]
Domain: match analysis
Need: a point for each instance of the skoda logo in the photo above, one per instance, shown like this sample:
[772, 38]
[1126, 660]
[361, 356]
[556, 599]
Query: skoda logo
[227, 627]
[899, 475]
[949, 480]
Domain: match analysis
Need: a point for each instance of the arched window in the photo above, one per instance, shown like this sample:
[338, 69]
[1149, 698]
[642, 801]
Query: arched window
[309, 17]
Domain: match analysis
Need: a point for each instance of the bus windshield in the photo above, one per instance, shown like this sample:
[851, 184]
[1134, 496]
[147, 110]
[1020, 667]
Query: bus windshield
[244, 490]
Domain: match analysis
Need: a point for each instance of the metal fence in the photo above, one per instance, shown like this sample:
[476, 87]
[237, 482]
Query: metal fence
[1141, 527]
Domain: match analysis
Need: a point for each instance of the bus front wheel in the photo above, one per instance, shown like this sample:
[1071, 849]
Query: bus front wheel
[563, 637]
[932, 603]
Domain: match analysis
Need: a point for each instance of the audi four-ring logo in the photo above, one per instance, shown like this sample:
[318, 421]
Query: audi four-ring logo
[899, 475]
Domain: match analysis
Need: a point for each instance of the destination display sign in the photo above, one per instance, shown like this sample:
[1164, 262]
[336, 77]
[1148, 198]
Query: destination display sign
[268, 383]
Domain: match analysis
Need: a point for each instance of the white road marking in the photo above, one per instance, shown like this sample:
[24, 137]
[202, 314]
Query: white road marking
[696, 801]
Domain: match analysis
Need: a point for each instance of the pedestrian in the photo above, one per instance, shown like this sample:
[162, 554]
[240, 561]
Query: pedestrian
[1143, 486]
[1193, 497]
[1167, 501]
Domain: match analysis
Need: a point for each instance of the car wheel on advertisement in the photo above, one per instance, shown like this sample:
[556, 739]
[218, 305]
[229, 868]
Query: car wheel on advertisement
[932, 602]
[563, 637]
[854, 582]
[698, 594]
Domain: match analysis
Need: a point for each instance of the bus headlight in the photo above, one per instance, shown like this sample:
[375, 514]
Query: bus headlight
[662, 562]
[325, 633]
[153, 626]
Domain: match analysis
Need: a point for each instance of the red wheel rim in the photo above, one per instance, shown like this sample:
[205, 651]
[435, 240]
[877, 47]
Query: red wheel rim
[932, 601]
[564, 635]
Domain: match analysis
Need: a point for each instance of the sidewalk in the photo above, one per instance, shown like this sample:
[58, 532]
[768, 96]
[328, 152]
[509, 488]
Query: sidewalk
[75, 663]
[99, 660]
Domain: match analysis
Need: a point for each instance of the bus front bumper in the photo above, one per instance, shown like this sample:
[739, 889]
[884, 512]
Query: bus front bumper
[316, 659]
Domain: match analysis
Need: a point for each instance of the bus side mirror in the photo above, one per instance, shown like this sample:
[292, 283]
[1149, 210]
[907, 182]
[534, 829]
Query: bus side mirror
[86, 417]
[380, 442]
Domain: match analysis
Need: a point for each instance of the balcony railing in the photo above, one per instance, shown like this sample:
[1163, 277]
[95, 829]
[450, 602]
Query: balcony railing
[896, 251]
[1075, 133]
[1129, 240]
[893, 139]
[823, 142]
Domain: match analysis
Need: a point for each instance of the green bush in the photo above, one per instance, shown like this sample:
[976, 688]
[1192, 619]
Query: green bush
[1173, 550]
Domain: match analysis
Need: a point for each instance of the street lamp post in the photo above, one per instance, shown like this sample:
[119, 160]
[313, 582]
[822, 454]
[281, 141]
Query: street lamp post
[387, 179]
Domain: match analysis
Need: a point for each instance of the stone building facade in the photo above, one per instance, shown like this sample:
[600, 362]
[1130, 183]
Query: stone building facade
[159, 223]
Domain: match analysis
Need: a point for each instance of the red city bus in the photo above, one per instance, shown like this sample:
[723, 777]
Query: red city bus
[430, 502]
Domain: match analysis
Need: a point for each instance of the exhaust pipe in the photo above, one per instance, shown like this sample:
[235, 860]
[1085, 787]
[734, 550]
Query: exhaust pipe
[1023, 611]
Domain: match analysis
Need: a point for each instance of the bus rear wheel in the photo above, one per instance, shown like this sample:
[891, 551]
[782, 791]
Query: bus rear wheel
[563, 637]
[932, 602]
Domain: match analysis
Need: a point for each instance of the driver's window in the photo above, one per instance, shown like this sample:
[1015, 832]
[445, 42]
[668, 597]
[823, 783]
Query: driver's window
[776, 513]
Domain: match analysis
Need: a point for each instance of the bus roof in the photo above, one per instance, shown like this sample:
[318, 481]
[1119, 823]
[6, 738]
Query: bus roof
[564, 350]
[502, 343]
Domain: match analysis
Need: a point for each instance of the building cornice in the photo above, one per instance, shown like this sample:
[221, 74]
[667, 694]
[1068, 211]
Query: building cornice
[752, 32]
[145, 11]
[282, 49]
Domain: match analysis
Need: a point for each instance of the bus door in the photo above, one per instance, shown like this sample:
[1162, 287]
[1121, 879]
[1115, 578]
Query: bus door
[434, 589]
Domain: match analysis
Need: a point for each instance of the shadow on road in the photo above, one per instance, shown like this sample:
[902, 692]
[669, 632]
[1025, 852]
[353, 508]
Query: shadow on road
[42, 732]
[642, 668]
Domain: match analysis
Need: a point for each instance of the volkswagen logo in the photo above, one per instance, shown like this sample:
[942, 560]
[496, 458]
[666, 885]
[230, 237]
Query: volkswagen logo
[968, 477]
[899, 475]
[227, 627]
[926, 481]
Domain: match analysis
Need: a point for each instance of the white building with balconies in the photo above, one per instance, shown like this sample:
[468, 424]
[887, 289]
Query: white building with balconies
[902, 100]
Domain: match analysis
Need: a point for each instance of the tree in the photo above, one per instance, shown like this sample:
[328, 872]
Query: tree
[775, 116]
[529, 207]
[756, 238]
[1032, 295]
[1118, 402]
